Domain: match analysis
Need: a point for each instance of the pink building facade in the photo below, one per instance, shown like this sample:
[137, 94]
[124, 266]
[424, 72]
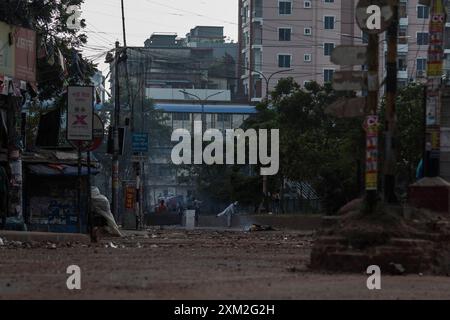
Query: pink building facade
[295, 38]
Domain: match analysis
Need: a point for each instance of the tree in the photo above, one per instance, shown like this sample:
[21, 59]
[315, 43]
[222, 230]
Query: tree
[49, 20]
[410, 132]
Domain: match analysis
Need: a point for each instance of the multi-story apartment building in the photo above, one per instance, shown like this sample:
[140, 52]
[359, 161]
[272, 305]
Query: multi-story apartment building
[176, 73]
[297, 37]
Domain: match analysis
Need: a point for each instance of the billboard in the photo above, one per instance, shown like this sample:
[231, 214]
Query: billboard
[80, 113]
[17, 53]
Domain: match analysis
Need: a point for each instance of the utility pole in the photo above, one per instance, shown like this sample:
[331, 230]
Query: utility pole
[372, 110]
[115, 160]
[391, 92]
[130, 100]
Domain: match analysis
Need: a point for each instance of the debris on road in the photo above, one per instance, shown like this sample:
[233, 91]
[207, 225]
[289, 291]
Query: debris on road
[112, 245]
[258, 228]
[1, 242]
[397, 269]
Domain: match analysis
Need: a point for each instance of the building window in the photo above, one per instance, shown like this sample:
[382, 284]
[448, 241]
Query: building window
[307, 57]
[329, 1]
[423, 12]
[422, 38]
[307, 4]
[285, 7]
[328, 23]
[307, 31]
[284, 61]
[223, 118]
[421, 64]
[328, 75]
[181, 117]
[328, 49]
[284, 34]
[402, 63]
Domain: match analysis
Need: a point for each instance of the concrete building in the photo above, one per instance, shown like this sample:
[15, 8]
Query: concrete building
[176, 73]
[297, 37]
[166, 180]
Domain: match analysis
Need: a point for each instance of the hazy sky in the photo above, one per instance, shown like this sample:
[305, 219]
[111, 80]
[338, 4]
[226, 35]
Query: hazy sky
[143, 17]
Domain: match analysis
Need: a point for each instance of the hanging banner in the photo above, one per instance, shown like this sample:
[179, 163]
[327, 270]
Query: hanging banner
[436, 46]
[130, 197]
[432, 109]
[80, 113]
[17, 53]
[25, 54]
[438, 17]
[372, 126]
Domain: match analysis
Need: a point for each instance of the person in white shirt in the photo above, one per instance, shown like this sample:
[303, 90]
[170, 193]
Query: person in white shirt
[229, 212]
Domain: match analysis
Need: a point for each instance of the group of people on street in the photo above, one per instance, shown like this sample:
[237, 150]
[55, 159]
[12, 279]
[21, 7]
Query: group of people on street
[271, 204]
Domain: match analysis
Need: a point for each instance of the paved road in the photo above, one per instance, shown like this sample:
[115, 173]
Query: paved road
[174, 264]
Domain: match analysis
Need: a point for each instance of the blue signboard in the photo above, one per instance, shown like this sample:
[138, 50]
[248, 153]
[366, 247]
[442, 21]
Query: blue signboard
[140, 142]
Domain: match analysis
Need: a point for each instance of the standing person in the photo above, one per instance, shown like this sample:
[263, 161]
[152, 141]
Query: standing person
[229, 212]
[197, 204]
[162, 207]
[276, 199]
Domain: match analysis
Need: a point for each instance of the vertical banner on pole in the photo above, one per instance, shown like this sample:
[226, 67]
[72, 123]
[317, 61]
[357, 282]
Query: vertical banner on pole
[372, 127]
[434, 74]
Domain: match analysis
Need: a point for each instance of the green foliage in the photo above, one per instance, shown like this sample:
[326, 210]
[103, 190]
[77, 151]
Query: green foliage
[326, 152]
[410, 131]
[48, 19]
[314, 148]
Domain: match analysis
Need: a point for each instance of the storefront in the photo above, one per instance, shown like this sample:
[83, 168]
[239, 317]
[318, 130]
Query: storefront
[51, 199]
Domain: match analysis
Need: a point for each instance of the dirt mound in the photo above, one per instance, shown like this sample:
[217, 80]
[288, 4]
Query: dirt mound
[417, 239]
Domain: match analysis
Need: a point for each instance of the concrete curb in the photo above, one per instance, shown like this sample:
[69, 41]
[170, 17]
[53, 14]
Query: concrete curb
[44, 237]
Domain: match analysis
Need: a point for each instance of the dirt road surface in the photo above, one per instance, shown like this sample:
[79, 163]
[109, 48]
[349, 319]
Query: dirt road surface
[176, 264]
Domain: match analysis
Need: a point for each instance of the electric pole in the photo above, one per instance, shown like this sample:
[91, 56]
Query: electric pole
[390, 123]
[115, 160]
[372, 110]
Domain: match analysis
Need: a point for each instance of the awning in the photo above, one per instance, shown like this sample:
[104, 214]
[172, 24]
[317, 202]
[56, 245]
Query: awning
[209, 108]
[59, 170]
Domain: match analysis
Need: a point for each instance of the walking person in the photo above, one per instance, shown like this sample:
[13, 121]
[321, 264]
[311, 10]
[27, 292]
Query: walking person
[229, 212]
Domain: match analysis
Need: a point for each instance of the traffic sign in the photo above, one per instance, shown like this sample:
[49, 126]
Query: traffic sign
[140, 142]
[350, 80]
[374, 16]
[349, 55]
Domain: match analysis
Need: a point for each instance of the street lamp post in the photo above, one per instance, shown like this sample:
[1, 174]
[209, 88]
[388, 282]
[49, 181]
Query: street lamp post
[267, 79]
[203, 103]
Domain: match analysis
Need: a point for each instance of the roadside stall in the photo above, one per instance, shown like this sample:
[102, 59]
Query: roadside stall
[51, 193]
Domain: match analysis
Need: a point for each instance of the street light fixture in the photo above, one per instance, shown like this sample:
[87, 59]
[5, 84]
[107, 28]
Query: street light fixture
[267, 79]
[202, 102]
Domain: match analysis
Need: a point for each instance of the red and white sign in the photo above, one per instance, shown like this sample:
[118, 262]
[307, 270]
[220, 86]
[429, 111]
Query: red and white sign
[372, 127]
[80, 113]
